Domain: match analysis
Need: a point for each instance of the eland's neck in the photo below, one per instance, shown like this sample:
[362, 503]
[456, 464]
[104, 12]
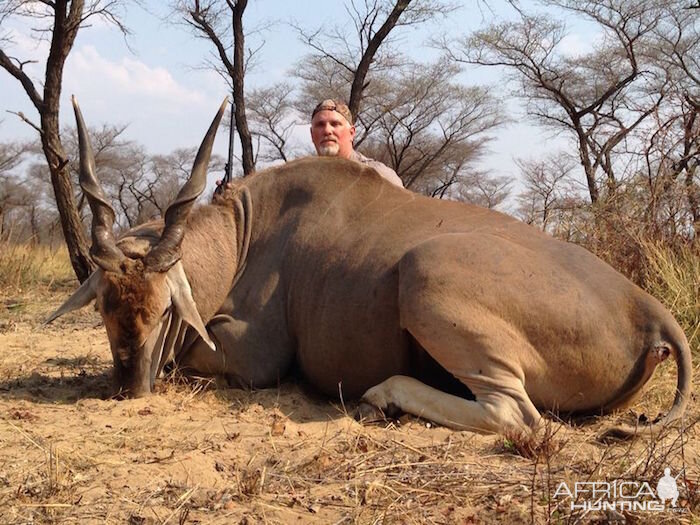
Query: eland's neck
[209, 256]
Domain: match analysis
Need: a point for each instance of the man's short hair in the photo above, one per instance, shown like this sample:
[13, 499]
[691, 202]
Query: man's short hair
[333, 105]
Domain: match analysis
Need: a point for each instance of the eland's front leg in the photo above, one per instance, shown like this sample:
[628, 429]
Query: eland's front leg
[247, 354]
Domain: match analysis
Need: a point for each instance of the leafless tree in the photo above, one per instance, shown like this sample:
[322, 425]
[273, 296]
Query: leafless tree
[413, 117]
[11, 155]
[221, 22]
[26, 202]
[600, 97]
[59, 21]
[140, 185]
[485, 190]
[13, 195]
[669, 169]
[272, 118]
[427, 123]
[548, 191]
[430, 129]
[167, 173]
[672, 152]
[343, 63]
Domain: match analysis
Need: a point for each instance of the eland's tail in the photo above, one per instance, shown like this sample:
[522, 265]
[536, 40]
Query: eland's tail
[676, 344]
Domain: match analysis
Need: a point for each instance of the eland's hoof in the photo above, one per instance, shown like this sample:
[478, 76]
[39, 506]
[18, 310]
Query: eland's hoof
[369, 413]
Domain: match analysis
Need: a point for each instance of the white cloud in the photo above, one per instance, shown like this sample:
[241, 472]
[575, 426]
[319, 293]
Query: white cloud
[163, 111]
[126, 77]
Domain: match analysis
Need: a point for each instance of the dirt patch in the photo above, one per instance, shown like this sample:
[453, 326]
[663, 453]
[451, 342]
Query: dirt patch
[196, 454]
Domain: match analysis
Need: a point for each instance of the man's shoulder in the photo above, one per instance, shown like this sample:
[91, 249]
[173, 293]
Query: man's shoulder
[384, 170]
[359, 157]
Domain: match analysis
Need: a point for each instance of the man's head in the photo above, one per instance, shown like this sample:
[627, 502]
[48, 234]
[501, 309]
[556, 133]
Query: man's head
[332, 130]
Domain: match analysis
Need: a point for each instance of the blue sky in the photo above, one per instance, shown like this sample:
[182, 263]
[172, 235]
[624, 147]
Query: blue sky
[157, 84]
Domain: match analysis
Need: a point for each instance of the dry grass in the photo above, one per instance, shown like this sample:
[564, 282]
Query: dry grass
[673, 277]
[24, 267]
[195, 454]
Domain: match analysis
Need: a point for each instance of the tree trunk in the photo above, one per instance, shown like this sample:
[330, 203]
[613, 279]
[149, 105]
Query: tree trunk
[588, 168]
[237, 78]
[65, 30]
[67, 18]
[358, 81]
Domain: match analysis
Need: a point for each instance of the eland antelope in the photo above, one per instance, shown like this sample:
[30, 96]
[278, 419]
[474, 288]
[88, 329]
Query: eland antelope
[448, 311]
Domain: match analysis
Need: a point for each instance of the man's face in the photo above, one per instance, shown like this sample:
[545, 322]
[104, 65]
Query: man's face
[331, 134]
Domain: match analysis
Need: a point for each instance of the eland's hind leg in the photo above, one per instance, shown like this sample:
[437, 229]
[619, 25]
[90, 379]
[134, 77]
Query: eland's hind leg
[476, 346]
[501, 403]
[501, 400]
[490, 414]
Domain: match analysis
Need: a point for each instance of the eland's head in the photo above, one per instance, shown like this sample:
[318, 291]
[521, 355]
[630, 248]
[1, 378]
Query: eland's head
[143, 295]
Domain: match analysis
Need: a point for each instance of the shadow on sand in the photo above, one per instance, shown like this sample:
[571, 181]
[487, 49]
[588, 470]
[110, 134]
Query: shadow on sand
[84, 378]
[66, 381]
[66, 389]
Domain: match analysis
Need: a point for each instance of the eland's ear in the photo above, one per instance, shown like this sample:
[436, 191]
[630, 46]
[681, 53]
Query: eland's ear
[181, 295]
[81, 297]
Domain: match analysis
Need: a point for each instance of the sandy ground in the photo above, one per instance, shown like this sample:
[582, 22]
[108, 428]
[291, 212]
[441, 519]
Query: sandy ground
[196, 454]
